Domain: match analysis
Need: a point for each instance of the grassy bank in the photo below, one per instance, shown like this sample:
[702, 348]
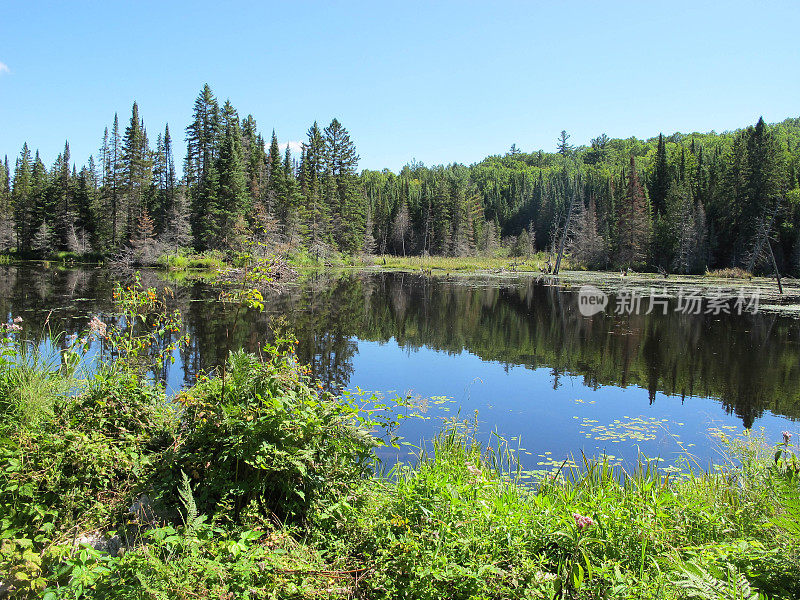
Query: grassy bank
[465, 264]
[254, 483]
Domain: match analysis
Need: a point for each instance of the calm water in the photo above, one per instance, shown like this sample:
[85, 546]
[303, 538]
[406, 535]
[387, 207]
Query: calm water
[516, 351]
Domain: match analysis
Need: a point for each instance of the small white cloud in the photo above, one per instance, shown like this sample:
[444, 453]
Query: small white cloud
[4, 68]
[294, 147]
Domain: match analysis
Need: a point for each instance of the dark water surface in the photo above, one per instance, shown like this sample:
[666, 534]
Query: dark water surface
[517, 351]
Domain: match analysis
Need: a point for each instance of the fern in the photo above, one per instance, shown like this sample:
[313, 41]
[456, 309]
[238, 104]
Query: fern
[789, 494]
[192, 520]
[703, 584]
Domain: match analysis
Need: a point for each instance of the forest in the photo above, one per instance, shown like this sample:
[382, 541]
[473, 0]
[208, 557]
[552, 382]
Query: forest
[682, 203]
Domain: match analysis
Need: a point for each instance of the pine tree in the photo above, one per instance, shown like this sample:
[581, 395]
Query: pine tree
[687, 226]
[205, 213]
[254, 159]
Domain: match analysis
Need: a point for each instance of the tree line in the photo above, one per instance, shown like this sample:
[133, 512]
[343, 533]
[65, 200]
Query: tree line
[682, 203]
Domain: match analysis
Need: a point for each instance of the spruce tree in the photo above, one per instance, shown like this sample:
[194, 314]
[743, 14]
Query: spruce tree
[660, 179]
[21, 199]
[114, 185]
[202, 136]
[341, 160]
[276, 193]
[7, 225]
[137, 171]
[564, 148]
[316, 211]
[65, 219]
[232, 198]
[765, 183]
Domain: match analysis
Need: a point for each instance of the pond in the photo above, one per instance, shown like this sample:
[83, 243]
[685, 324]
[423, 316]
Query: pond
[517, 352]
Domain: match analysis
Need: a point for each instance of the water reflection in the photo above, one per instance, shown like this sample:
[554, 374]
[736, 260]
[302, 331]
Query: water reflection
[748, 363]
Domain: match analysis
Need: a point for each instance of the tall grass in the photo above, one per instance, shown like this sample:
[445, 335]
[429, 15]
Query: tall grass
[464, 505]
[180, 262]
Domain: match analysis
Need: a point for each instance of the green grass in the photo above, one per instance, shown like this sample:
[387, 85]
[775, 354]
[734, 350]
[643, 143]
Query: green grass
[466, 264]
[210, 261]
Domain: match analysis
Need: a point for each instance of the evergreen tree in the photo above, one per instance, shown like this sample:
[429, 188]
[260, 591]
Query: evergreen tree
[293, 226]
[113, 186]
[276, 200]
[21, 199]
[232, 195]
[85, 198]
[316, 211]
[564, 148]
[42, 202]
[136, 171]
[7, 225]
[660, 180]
[62, 182]
[341, 160]
[765, 173]
[202, 138]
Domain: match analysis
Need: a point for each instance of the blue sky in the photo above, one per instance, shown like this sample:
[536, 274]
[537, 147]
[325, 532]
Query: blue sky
[435, 81]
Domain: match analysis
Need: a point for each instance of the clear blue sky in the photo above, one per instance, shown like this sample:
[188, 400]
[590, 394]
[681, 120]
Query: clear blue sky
[435, 81]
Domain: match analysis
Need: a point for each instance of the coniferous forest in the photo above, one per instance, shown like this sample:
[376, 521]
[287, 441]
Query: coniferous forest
[681, 203]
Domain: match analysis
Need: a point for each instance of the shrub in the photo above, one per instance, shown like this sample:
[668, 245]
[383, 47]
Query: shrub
[264, 442]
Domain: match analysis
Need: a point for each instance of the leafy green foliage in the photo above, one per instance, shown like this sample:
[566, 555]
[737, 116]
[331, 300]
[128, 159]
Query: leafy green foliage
[270, 444]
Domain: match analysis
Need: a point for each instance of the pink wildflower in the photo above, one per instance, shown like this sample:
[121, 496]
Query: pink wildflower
[17, 320]
[787, 437]
[582, 522]
[474, 471]
[97, 326]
